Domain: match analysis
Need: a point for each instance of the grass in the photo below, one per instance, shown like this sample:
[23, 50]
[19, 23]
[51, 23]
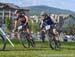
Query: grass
[41, 50]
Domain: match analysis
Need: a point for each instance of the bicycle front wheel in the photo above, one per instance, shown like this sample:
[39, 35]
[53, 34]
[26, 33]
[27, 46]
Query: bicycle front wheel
[24, 39]
[2, 43]
[52, 43]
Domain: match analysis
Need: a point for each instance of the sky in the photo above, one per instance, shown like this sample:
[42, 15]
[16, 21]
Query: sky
[62, 4]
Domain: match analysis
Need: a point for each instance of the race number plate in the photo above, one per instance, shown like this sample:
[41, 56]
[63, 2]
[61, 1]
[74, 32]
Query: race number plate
[47, 27]
[20, 27]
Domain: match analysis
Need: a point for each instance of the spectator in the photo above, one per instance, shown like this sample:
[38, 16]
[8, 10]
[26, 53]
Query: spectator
[65, 38]
[43, 36]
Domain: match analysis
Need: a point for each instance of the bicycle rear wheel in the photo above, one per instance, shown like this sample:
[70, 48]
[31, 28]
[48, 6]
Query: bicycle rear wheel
[2, 43]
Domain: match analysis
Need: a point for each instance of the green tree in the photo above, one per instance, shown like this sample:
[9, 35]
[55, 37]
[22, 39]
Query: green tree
[34, 26]
[7, 23]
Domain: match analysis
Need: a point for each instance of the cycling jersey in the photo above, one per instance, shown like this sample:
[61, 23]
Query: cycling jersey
[21, 19]
[47, 21]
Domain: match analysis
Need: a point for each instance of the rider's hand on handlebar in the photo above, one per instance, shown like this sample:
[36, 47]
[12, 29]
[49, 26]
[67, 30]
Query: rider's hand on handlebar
[14, 30]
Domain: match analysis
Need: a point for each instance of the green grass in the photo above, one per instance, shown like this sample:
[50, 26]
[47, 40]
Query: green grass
[41, 50]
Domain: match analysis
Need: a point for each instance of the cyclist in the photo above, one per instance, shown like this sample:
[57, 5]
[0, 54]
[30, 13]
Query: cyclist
[22, 20]
[46, 20]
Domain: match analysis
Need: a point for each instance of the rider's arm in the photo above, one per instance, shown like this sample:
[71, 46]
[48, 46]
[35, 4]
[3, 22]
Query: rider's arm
[15, 24]
[26, 19]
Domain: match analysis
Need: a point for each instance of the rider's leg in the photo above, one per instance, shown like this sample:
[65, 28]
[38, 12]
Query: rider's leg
[28, 31]
[56, 38]
[43, 36]
[55, 34]
[30, 37]
[16, 35]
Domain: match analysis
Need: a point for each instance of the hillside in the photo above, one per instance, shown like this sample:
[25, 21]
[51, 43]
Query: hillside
[38, 9]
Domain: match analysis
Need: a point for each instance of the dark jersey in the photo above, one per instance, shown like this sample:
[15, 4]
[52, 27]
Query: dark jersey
[48, 21]
[21, 19]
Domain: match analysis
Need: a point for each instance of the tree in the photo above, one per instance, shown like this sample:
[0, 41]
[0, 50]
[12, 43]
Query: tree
[7, 23]
[69, 25]
[34, 26]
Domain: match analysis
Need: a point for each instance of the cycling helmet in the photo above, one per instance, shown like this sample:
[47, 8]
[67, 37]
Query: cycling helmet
[44, 14]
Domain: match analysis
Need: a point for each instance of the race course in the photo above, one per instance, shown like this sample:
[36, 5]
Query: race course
[41, 50]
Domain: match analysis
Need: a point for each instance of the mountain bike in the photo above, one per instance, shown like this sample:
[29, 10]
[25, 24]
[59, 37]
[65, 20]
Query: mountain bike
[3, 38]
[24, 38]
[53, 43]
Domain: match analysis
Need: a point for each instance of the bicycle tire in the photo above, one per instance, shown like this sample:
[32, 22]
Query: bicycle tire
[52, 43]
[2, 43]
[56, 43]
[24, 39]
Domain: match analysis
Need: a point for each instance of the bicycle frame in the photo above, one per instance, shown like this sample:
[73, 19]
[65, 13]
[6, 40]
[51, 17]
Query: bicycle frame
[6, 37]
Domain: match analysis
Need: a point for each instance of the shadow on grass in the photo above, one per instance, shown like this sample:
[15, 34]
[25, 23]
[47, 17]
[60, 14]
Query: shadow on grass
[43, 47]
[32, 49]
[27, 49]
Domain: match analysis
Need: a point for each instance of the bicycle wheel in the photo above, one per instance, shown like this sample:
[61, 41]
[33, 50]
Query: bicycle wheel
[24, 39]
[52, 42]
[2, 43]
